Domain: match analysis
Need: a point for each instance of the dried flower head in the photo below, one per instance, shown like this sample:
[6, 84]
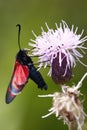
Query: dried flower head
[67, 106]
[58, 49]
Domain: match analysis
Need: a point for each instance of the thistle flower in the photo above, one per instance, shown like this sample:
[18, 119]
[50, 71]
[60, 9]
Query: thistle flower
[59, 49]
[67, 106]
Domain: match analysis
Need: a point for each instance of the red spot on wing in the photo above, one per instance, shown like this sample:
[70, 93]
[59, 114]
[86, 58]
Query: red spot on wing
[20, 74]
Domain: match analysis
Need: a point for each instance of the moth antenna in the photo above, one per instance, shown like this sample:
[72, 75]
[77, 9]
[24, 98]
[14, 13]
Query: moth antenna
[19, 29]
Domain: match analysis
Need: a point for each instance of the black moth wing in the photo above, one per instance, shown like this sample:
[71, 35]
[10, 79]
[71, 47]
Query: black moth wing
[37, 77]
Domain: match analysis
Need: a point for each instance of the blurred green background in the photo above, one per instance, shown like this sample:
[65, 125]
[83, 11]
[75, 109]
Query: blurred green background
[26, 110]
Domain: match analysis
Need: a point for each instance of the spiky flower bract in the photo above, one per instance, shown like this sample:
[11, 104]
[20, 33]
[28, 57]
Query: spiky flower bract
[59, 49]
[67, 106]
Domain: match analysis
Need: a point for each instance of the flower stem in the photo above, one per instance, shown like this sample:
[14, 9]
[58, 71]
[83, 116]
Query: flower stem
[72, 126]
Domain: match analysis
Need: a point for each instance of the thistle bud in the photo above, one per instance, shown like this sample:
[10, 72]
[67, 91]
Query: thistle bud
[61, 73]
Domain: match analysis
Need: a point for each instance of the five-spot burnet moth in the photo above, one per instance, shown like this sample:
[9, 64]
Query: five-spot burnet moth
[23, 69]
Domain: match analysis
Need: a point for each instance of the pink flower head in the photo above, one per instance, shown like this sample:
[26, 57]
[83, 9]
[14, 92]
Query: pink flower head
[59, 49]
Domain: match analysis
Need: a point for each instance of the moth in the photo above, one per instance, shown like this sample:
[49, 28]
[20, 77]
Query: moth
[23, 70]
